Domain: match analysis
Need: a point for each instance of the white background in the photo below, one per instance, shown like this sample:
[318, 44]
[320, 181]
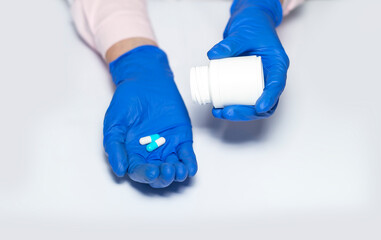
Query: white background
[312, 171]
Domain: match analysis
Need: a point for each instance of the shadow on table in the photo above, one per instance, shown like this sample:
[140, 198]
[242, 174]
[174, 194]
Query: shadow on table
[174, 188]
[234, 132]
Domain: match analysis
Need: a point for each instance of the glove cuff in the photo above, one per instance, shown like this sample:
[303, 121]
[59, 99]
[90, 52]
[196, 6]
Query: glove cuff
[273, 7]
[143, 59]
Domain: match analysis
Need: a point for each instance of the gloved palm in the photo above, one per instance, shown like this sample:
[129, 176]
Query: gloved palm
[251, 31]
[146, 101]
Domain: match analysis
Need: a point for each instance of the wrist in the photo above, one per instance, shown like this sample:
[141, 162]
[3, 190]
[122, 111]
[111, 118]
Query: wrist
[126, 45]
[142, 60]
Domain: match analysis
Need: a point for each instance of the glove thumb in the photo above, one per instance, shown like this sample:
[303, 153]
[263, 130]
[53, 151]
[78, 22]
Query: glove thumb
[229, 47]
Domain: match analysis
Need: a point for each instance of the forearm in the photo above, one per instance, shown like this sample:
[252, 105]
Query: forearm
[110, 27]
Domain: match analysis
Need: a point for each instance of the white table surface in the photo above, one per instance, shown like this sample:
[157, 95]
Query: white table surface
[312, 171]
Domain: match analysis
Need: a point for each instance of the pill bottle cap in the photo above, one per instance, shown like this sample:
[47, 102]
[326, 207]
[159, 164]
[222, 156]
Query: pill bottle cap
[199, 83]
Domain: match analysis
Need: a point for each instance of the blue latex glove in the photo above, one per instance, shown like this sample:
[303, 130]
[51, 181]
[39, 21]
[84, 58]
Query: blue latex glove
[251, 31]
[146, 101]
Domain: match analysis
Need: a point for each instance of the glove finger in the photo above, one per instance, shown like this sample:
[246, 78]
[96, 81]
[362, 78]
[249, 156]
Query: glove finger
[274, 87]
[238, 113]
[117, 158]
[186, 155]
[140, 171]
[117, 155]
[217, 112]
[229, 47]
[181, 170]
[166, 177]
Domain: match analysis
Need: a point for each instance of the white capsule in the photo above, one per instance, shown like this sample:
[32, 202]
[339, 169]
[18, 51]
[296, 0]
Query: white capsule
[160, 141]
[149, 139]
[152, 146]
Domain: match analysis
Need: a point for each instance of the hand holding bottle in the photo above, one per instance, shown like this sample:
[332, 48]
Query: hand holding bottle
[251, 31]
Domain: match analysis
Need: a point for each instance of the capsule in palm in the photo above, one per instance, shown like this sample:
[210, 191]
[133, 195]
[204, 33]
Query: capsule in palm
[149, 139]
[153, 145]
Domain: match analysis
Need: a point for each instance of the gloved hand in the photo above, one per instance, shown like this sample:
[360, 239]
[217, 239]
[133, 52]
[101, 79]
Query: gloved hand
[251, 31]
[146, 101]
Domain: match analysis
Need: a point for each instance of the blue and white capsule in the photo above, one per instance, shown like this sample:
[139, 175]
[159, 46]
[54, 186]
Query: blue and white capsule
[149, 139]
[152, 146]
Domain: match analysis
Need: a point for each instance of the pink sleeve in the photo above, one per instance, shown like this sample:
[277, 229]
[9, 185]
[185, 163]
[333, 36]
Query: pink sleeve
[102, 23]
[289, 5]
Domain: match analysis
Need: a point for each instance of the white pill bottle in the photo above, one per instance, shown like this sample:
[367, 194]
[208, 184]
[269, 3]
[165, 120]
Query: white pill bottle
[228, 81]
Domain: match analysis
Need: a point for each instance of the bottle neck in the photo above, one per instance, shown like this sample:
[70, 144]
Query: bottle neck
[199, 81]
